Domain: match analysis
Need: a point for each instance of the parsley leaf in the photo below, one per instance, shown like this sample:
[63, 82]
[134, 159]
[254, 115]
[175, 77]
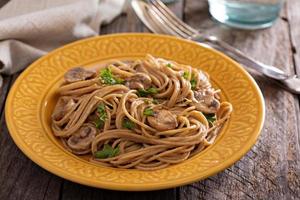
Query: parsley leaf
[169, 65]
[127, 123]
[210, 117]
[147, 92]
[108, 78]
[101, 108]
[107, 152]
[193, 82]
[149, 112]
[154, 101]
[152, 90]
[99, 123]
[186, 75]
[102, 116]
[147, 101]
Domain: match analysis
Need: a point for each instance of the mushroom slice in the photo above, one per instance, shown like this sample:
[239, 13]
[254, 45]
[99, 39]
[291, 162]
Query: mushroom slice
[163, 120]
[203, 79]
[206, 101]
[138, 81]
[140, 67]
[83, 138]
[78, 74]
[63, 105]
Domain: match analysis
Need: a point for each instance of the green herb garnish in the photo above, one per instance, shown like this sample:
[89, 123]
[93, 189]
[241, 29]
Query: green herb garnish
[210, 118]
[127, 123]
[169, 65]
[193, 82]
[147, 101]
[149, 112]
[99, 123]
[107, 152]
[108, 78]
[102, 116]
[154, 101]
[147, 92]
[186, 75]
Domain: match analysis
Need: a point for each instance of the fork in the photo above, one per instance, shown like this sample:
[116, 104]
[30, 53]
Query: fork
[160, 19]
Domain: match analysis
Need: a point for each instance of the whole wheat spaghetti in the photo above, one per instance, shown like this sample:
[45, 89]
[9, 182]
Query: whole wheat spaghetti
[144, 114]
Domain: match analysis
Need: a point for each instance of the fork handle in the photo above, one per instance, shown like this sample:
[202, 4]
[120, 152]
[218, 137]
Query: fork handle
[267, 70]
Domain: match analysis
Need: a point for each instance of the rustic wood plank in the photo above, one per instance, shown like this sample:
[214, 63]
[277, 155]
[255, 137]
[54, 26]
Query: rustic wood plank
[73, 191]
[293, 18]
[271, 169]
[20, 178]
[3, 91]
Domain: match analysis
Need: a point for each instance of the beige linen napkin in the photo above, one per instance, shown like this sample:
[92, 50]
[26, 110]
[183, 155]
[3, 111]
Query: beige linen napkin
[30, 28]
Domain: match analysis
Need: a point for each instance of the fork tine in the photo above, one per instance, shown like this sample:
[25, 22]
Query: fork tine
[158, 24]
[164, 10]
[165, 22]
[174, 17]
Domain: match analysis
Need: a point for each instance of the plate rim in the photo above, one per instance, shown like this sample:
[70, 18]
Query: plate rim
[145, 186]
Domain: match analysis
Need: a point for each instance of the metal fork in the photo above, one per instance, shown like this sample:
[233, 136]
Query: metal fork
[160, 19]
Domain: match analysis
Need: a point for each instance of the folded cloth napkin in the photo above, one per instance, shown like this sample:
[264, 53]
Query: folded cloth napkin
[30, 28]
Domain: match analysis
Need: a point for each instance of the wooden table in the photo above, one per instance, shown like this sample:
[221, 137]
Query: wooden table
[270, 170]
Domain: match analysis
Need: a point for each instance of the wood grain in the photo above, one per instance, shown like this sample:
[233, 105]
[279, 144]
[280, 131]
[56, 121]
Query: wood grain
[20, 178]
[3, 91]
[293, 18]
[73, 191]
[270, 170]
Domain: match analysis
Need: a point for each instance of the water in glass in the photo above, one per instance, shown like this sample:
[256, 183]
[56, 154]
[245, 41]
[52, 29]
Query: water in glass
[246, 14]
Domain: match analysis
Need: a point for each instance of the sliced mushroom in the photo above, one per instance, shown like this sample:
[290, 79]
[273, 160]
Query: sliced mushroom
[139, 67]
[163, 120]
[134, 85]
[138, 81]
[83, 138]
[63, 105]
[203, 79]
[78, 74]
[206, 101]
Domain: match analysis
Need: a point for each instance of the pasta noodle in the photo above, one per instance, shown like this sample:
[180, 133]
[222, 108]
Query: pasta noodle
[144, 114]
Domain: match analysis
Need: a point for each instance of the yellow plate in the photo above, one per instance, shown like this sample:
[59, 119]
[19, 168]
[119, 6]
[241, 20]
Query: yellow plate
[32, 97]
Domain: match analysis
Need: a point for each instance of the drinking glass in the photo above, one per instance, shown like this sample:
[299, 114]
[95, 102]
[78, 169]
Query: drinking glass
[246, 14]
